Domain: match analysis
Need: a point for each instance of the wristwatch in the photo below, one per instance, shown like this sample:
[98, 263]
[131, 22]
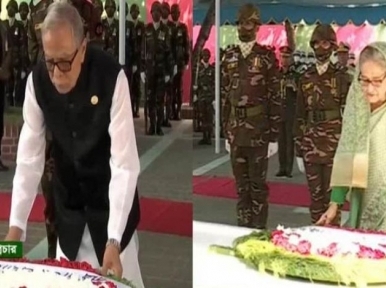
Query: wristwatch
[115, 243]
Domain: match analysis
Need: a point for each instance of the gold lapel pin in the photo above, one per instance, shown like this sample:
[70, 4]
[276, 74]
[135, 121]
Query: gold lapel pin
[94, 100]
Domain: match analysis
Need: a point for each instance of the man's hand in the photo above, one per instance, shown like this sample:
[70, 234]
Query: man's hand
[112, 262]
[14, 234]
[134, 69]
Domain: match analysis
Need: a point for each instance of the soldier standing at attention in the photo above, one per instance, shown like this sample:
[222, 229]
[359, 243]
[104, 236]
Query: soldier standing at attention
[251, 116]
[181, 54]
[320, 102]
[99, 35]
[342, 53]
[5, 73]
[15, 32]
[137, 28]
[90, 16]
[288, 90]
[165, 13]
[23, 12]
[206, 88]
[111, 26]
[156, 61]
[38, 11]
[26, 64]
[344, 57]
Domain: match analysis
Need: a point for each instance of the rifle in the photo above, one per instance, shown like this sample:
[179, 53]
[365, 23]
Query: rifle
[145, 88]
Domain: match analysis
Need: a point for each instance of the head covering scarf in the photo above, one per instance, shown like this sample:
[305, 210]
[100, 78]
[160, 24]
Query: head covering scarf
[351, 161]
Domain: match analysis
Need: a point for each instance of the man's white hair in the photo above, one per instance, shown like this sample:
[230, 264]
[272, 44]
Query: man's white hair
[63, 13]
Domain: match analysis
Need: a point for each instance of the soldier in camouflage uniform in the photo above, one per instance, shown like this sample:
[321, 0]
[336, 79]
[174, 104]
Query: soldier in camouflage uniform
[26, 64]
[288, 90]
[165, 14]
[16, 37]
[181, 54]
[5, 74]
[137, 28]
[206, 89]
[342, 53]
[251, 116]
[99, 33]
[90, 16]
[38, 11]
[111, 29]
[343, 56]
[320, 102]
[156, 69]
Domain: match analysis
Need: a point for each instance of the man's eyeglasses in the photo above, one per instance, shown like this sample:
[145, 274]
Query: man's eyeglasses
[374, 82]
[63, 65]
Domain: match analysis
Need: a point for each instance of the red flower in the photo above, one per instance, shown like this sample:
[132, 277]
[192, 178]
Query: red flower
[64, 263]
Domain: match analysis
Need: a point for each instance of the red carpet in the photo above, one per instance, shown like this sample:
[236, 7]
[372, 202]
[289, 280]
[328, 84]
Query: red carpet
[160, 216]
[280, 193]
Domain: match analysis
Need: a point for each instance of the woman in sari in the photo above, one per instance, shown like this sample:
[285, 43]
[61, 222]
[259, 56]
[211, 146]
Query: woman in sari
[359, 170]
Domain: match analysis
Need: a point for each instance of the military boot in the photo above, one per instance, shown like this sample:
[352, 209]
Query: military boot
[151, 130]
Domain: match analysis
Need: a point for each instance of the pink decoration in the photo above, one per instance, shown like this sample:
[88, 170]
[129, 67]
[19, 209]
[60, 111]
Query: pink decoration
[356, 36]
[271, 35]
[187, 18]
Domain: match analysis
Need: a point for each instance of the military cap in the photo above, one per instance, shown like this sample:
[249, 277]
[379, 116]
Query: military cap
[323, 32]
[110, 3]
[156, 6]
[285, 50]
[296, 53]
[249, 12]
[134, 7]
[14, 4]
[310, 55]
[24, 5]
[343, 47]
[165, 5]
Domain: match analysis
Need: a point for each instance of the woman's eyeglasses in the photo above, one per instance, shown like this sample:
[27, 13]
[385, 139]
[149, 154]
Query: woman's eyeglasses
[374, 82]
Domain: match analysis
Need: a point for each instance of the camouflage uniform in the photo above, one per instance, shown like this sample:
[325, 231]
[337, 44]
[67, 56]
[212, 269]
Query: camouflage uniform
[37, 14]
[111, 29]
[156, 61]
[16, 37]
[206, 88]
[250, 118]
[180, 49]
[137, 28]
[90, 16]
[5, 72]
[26, 64]
[288, 88]
[320, 102]
[97, 39]
[165, 12]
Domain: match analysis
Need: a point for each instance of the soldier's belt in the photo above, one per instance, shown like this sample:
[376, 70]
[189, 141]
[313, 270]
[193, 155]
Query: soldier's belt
[323, 115]
[245, 112]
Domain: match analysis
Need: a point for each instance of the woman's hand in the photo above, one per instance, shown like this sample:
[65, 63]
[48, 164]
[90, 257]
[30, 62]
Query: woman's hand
[329, 215]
